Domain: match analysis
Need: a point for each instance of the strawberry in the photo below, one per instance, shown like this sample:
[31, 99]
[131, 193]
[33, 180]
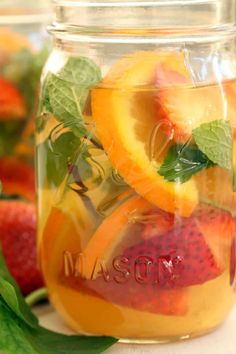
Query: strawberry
[157, 222]
[142, 297]
[182, 256]
[17, 177]
[12, 105]
[18, 239]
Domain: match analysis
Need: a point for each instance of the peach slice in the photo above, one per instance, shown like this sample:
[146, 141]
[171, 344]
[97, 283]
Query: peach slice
[125, 114]
[110, 233]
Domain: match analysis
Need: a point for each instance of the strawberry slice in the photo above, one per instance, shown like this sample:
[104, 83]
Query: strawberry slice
[12, 105]
[157, 222]
[181, 257]
[142, 297]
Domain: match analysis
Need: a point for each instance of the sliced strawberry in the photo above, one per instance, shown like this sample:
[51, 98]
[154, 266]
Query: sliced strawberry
[142, 297]
[17, 177]
[12, 105]
[156, 222]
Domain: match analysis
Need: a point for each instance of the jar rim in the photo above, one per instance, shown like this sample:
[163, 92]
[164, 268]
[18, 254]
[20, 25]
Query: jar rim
[145, 14]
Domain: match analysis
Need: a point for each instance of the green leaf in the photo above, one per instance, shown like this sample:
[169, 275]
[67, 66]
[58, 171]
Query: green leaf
[65, 94]
[20, 332]
[81, 71]
[214, 139]
[19, 338]
[11, 294]
[182, 162]
[12, 338]
[66, 100]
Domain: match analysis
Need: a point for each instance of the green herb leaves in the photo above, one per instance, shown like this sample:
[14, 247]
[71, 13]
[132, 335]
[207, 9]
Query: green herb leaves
[213, 147]
[215, 140]
[182, 162]
[20, 332]
[65, 94]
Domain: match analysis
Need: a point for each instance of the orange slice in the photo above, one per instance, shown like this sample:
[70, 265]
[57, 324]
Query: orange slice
[68, 228]
[124, 110]
[109, 234]
[215, 188]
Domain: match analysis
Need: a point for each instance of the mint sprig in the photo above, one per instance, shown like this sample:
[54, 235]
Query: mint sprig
[65, 94]
[182, 162]
[215, 140]
[20, 332]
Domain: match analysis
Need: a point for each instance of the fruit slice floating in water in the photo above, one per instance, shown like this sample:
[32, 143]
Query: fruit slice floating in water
[181, 257]
[110, 233]
[131, 134]
[186, 106]
[215, 188]
[142, 297]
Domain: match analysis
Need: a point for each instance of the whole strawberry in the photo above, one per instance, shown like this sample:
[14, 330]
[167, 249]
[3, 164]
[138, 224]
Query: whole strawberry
[18, 239]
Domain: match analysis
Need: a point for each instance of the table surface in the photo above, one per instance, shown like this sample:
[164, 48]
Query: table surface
[222, 341]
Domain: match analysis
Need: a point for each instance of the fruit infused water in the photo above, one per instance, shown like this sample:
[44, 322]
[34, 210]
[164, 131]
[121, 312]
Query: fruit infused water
[136, 202]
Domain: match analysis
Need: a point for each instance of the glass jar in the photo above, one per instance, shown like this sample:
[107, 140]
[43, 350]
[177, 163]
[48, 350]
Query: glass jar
[24, 47]
[135, 141]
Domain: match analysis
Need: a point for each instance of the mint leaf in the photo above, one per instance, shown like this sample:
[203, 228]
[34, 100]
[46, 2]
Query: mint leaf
[182, 162]
[66, 100]
[10, 292]
[19, 334]
[65, 94]
[12, 338]
[215, 140]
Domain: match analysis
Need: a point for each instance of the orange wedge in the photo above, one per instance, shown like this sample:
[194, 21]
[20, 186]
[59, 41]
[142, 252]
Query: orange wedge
[110, 233]
[124, 110]
[186, 108]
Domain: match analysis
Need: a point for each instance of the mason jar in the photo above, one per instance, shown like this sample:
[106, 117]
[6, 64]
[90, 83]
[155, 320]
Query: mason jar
[24, 47]
[135, 167]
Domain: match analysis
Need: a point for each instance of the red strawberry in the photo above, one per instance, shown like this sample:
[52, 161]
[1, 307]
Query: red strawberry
[142, 297]
[18, 239]
[157, 222]
[182, 256]
[12, 105]
[17, 177]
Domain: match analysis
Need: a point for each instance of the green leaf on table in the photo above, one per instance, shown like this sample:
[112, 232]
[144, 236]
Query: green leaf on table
[20, 332]
[182, 162]
[12, 295]
[215, 140]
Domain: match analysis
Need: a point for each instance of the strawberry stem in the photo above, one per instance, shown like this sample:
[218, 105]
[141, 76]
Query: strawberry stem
[36, 296]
